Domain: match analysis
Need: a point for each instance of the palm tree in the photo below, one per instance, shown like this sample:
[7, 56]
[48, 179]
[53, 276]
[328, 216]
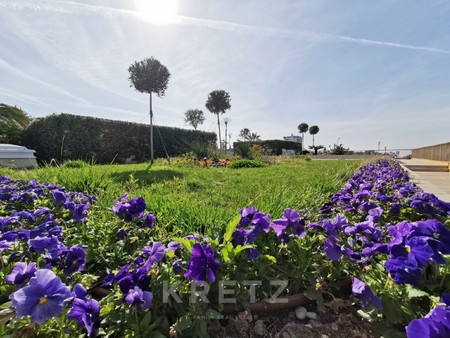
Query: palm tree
[302, 129]
[149, 76]
[218, 102]
[194, 117]
[313, 130]
[12, 121]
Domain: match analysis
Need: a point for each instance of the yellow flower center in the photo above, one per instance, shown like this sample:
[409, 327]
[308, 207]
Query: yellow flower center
[43, 300]
[408, 249]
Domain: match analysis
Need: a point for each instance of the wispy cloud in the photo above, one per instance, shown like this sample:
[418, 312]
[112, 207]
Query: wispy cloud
[17, 72]
[70, 7]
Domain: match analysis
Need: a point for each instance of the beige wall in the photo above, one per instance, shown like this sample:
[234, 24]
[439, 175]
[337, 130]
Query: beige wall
[438, 152]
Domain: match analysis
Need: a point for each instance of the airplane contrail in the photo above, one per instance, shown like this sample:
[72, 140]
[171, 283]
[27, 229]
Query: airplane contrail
[76, 8]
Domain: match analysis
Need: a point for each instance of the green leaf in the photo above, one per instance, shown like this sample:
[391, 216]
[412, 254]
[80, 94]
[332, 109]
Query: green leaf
[310, 294]
[230, 228]
[225, 252]
[146, 320]
[184, 322]
[106, 309]
[391, 311]
[271, 259]
[186, 243]
[413, 292]
[241, 248]
[213, 314]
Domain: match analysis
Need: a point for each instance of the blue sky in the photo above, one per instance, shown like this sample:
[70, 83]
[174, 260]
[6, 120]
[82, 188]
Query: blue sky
[363, 71]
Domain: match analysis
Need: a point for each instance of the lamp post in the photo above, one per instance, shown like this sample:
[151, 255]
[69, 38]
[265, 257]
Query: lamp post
[226, 120]
[62, 144]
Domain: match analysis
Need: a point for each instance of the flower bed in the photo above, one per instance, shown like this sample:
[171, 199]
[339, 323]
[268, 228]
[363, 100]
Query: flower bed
[69, 267]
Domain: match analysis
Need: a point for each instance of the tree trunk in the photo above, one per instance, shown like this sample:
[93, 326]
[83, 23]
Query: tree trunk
[220, 137]
[301, 145]
[226, 131]
[151, 132]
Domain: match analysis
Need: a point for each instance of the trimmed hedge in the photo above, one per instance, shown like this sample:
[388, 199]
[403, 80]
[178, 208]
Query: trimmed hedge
[273, 147]
[104, 141]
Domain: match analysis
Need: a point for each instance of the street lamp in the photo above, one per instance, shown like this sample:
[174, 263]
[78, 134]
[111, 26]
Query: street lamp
[62, 143]
[226, 120]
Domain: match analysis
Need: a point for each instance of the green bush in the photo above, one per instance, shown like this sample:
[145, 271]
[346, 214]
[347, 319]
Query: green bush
[74, 164]
[247, 164]
[72, 137]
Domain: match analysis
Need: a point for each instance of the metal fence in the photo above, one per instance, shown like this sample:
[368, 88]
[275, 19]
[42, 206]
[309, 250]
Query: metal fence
[438, 152]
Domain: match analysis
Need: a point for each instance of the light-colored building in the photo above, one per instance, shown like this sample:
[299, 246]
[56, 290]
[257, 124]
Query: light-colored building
[293, 138]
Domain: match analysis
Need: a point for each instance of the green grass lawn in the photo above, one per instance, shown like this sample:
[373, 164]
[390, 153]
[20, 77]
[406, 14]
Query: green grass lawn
[186, 198]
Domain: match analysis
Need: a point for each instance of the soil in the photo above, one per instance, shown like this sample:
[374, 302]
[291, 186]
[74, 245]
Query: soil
[284, 324]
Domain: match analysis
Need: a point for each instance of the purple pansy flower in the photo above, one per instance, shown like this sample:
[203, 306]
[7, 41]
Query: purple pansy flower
[176, 267]
[4, 244]
[121, 234]
[85, 311]
[127, 210]
[203, 264]
[365, 294]
[291, 223]
[79, 291]
[173, 246]
[136, 296]
[75, 259]
[333, 251]
[403, 270]
[42, 299]
[147, 220]
[155, 254]
[41, 244]
[21, 273]
[60, 196]
[80, 211]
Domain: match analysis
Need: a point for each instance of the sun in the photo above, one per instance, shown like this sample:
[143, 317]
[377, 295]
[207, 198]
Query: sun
[157, 11]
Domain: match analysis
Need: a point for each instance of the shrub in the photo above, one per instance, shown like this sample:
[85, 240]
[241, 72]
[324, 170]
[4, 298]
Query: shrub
[247, 164]
[74, 164]
[72, 137]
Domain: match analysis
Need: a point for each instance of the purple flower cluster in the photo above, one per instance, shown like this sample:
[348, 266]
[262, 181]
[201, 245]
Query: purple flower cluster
[435, 324]
[383, 184]
[134, 279]
[22, 195]
[133, 209]
[377, 190]
[252, 224]
[31, 233]
[40, 230]
[413, 246]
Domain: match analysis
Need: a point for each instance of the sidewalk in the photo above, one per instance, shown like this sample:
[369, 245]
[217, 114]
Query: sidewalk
[434, 182]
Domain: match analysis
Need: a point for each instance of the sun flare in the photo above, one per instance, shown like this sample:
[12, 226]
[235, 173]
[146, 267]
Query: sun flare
[157, 11]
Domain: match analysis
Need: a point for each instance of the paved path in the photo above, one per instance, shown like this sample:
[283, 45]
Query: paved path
[437, 183]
